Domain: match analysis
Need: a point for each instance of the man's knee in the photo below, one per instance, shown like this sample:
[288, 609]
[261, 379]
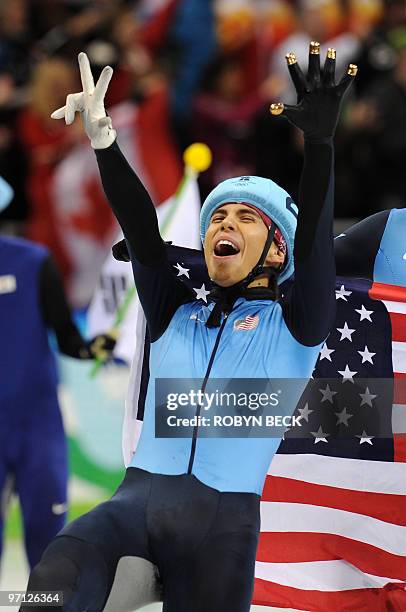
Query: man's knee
[52, 574]
[55, 572]
[66, 564]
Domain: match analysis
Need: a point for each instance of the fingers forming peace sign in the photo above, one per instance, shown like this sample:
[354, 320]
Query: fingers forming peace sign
[91, 99]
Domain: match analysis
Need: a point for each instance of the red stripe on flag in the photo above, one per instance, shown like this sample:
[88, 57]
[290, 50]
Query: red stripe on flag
[398, 321]
[382, 291]
[275, 547]
[292, 547]
[385, 507]
[399, 442]
[391, 598]
[295, 547]
[399, 388]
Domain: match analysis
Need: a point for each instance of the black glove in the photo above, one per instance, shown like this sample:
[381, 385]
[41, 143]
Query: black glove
[102, 346]
[318, 97]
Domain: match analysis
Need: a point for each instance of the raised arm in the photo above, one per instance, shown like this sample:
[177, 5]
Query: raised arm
[160, 291]
[309, 304]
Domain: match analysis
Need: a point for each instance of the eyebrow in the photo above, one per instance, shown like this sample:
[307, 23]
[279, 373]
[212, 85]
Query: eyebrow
[241, 211]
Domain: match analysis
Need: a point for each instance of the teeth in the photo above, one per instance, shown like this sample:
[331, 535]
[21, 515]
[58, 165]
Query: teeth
[229, 243]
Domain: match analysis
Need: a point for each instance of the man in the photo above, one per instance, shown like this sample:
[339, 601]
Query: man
[33, 453]
[190, 507]
[374, 248]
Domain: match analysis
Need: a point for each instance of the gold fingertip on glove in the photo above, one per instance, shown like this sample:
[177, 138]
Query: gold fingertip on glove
[331, 53]
[291, 59]
[276, 109]
[352, 70]
[315, 48]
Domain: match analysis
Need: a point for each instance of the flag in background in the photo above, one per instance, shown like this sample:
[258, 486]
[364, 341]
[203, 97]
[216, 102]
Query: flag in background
[333, 509]
[333, 528]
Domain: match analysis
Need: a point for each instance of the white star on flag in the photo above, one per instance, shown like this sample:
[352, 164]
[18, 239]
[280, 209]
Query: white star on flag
[366, 355]
[343, 417]
[304, 412]
[341, 293]
[325, 352]
[201, 294]
[364, 313]
[367, 397]
[285, 432]
[182, 271]
[347, 374]
[319, 435]
[327, 394]
[365, 438]
[345, 332]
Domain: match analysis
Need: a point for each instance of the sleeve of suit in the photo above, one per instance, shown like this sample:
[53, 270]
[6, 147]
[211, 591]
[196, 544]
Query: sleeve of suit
[309, 305]
[160, 292]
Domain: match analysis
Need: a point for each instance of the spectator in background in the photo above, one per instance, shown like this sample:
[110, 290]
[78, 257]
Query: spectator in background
[140, 80]
[315, 23]
[139, 102]
[193, 39]
[33, 450]
[224, 119]
[45, 144]
[13, 167]
[160, 49]
[71, 25]
[160, 68]
[322, 20]
[377, 54]
[15, 65]
[376, 142]
[16, 41]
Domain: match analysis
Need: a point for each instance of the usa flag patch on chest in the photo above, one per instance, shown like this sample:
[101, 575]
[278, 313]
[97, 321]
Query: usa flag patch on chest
[250, 322]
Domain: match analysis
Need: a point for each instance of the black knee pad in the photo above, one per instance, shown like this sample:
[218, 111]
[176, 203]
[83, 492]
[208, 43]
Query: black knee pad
[55, 572]
[66, 564]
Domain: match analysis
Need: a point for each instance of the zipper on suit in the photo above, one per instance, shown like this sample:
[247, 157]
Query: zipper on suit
[206, 378]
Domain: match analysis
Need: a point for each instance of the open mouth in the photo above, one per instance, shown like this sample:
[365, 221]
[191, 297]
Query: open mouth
[225, 248]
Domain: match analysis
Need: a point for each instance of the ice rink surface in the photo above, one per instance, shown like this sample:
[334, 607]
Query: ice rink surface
[14, 576]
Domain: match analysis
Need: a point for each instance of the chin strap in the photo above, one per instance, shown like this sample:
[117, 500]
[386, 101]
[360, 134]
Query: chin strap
[259, 268]
[225, 297]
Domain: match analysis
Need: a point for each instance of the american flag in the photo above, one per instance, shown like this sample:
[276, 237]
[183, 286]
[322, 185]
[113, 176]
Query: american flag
[333, 508]
[333, 532]
[250, 322]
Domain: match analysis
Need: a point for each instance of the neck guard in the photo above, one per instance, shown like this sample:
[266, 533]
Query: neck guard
[225, 297]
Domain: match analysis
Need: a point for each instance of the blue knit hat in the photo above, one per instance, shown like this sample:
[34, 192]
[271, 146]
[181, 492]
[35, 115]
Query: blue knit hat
[265, 195]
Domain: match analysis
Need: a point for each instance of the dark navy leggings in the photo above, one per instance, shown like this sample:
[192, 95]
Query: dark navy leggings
[172, 538]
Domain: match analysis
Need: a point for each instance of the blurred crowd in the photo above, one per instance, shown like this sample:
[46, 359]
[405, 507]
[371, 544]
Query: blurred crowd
[185, 71]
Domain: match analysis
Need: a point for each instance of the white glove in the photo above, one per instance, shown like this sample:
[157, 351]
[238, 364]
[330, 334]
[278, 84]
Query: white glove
[90, 103]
